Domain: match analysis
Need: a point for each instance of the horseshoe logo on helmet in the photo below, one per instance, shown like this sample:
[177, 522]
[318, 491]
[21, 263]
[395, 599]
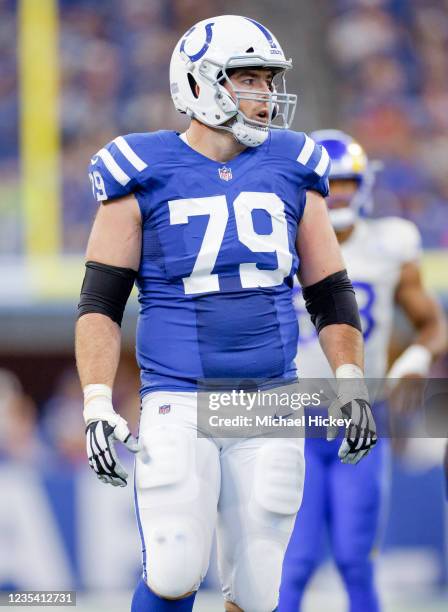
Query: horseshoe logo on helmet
[205, 46]
[264, 31]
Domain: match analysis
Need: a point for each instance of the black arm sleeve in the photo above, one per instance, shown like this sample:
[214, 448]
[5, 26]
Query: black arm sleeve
[106, 290]
[332, 300]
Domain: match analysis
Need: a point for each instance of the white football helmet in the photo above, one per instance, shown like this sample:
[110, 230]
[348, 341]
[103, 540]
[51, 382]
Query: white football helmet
[203, 57]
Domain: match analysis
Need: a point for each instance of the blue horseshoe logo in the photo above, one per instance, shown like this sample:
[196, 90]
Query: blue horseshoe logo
[264, 31]
[205, 46]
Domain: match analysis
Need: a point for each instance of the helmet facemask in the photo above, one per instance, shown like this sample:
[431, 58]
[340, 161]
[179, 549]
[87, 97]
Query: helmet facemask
[280, 104]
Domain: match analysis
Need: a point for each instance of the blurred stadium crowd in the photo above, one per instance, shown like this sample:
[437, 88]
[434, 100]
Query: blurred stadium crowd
[391, 57]
[114, 61]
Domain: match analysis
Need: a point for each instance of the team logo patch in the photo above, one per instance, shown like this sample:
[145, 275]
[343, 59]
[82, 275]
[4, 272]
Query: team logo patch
[205, 46]
[225, 174]
[164, 408]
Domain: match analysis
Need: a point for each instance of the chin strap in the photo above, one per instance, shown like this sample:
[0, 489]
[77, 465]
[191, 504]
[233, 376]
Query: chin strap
[244, 133]
[249, 135]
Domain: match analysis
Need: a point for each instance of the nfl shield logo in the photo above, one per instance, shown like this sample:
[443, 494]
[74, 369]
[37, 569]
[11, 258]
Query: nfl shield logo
[164, 408]
[225, 174]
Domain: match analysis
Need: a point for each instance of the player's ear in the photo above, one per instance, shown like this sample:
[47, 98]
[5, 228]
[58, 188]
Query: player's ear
[197, 89]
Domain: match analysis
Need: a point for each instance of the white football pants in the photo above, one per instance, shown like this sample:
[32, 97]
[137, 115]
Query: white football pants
[249, 488]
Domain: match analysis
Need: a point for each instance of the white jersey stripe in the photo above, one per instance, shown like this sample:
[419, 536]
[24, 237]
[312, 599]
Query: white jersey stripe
[307, 150]
[130, 155]
[323, 163]
[119, 175]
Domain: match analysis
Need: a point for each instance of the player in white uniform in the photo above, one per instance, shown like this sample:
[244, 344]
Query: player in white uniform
[375, 253]
[382, 258]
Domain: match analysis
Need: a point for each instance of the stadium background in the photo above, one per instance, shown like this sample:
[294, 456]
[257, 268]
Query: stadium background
[73, 75]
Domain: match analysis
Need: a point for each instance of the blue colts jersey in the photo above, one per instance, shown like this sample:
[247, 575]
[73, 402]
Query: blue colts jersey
[218, 254]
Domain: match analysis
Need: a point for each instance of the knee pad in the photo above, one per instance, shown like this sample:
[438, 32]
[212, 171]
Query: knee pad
[177, 543]
[257, 575]
[279, 477]
[175, 556]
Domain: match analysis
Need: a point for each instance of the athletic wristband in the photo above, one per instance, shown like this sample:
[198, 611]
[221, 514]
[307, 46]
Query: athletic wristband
[349, 370]
[416, 359]
[97, 402]
[351, 383]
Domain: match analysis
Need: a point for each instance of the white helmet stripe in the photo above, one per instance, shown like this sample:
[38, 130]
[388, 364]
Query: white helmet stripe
[323, 163]
[307, 150]
[130, 155]
[119, 175]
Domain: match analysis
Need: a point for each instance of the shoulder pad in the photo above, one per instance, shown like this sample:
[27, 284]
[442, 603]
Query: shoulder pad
[299, 147]
[312, 160]
[399, 237]
[117, 168]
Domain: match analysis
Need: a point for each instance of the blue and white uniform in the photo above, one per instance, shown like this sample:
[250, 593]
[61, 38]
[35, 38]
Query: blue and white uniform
[218, 253]
[215, 290]
[345, 501]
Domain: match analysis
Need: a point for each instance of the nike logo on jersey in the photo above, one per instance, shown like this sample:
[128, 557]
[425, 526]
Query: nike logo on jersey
[93, 160]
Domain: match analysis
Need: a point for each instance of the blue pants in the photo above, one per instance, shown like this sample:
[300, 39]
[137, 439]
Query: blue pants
[345, 502]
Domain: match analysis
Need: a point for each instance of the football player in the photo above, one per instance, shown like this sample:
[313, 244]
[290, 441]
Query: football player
[382, 258]
[211, 225]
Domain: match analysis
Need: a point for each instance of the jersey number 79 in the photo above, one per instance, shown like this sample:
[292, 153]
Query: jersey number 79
[201, 279]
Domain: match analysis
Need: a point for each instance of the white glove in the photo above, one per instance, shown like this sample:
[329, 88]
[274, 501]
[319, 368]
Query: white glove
[352, 402]
[104, 426]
